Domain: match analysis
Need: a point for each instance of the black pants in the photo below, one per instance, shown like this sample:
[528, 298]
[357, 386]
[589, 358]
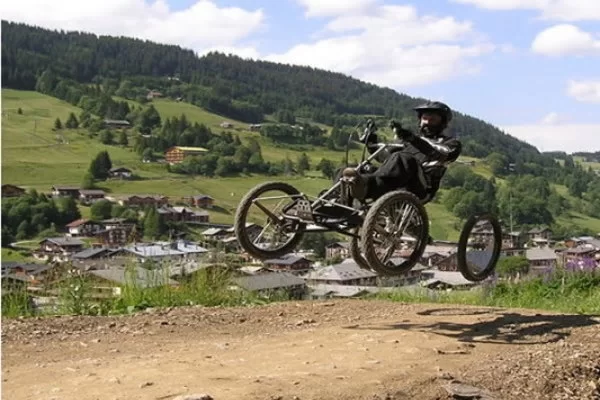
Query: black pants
[399, 170]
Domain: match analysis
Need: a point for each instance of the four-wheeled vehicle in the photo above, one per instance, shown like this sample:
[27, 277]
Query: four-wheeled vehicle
[388, 235]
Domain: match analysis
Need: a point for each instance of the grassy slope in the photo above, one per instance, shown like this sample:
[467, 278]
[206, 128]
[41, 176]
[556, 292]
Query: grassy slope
[36, 159]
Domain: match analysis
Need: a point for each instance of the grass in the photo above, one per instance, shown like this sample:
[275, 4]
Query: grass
[561, 292]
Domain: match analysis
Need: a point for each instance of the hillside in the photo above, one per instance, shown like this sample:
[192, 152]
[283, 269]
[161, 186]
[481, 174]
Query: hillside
[114, 84]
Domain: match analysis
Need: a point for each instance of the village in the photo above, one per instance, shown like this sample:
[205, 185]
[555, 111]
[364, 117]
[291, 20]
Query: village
[104, 250]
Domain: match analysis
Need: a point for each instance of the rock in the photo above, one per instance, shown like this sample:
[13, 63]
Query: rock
[463, 391]
[202, 396]
[146, 384]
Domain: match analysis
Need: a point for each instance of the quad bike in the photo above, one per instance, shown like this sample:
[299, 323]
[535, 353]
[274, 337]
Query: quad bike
[387, 236]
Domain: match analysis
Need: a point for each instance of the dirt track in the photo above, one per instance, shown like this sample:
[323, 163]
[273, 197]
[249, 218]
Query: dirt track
[307, 350]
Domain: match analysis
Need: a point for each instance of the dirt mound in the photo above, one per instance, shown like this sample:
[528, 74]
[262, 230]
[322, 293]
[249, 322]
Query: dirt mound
[338, 350]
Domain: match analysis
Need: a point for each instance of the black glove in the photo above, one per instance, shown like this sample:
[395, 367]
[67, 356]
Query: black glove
[369, 136]
[400, 132]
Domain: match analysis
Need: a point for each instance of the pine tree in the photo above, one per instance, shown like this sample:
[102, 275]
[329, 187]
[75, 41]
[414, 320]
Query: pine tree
[123, 141]
[57, 124]
[72, 122]
[88, 181]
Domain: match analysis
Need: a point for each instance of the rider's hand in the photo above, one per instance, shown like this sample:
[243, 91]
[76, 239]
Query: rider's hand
[400, 132]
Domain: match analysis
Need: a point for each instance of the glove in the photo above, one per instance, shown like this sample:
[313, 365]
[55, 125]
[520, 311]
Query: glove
[400, 132]
[369, 133]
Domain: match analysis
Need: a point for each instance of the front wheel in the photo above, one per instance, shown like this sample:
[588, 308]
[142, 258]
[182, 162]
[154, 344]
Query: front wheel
[261, 227]
[395, 233]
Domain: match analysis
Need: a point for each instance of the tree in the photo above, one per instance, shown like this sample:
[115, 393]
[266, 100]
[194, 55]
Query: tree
[123, 141]
[101, 165]
[101, 210]
[72, 122]
[153, 224]
[148, 154]
[106, 136]
[511, 266]
[303, 163]
[57, 124]
[19, 111]
[68, 210]
[88, 181]
[326, 167]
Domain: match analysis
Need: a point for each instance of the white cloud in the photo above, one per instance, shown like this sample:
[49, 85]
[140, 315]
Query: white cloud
[559, 10]
[552, 118]
[393, 46]
[326, 8]
[560, 137]
[584, 91]
[201, 26]
[565, 39]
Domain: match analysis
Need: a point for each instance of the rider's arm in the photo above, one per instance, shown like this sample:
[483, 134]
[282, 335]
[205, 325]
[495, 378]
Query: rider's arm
[448, 150]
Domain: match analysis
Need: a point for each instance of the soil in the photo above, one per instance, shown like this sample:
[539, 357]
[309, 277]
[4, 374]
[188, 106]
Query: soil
[326, 350]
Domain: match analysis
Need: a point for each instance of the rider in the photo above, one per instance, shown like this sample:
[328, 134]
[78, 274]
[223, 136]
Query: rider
[419, 166]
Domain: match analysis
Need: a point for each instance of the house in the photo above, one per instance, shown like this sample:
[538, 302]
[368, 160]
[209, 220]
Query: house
[144, 201]
[201, 201]
[541, 259]
[64, 245]
[117, 124]
[137, 277]
[120, 173]
[575, 254]
[153, 93]
[116, 234]
[9, 190]
[254, 127]
[337, 249]
[342, 274]
[289, 263]
[270, 283]
[66, 191]
[182, 214]
[215, 233]
[540, 233]
[89, 196]
[30, 271]
[226, 125]
[95, 253]
[436, 279]
[176, 154]
[82, 227]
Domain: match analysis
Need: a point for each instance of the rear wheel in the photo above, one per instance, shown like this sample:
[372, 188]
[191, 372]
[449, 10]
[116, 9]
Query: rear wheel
[395, 233]
[260, 225]
[355, 252]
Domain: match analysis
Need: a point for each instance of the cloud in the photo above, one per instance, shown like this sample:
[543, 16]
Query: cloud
[552, 118]
[584, 91]
[393, 46]
[560, 137]
[558, 10]
[203, 25]
[327, 8]
[565, 39]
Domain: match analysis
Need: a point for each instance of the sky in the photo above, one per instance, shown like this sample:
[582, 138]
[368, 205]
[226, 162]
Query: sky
[529, 67]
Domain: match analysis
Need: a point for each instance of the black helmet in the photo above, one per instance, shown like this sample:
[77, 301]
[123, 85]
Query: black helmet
[437, 107]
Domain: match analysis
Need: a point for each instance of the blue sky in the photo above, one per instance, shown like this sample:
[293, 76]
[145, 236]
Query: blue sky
[530, 67]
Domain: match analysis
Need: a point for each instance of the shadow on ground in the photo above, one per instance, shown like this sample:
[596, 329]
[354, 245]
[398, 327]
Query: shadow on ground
[495, 326]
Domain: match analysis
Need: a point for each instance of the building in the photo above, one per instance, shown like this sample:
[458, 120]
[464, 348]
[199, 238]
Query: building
[337, 249]
[117, 124]
[541, 259]
[82, 227]
[116, 232]
[270, 283]
[65, 191]
[226, 125]
[64, 245]
[289, 263]
[89, 196]
[12, 191]
[120, 173]
[347, 273]
[144, 201]
[176, 154]
[201, 201]
[182, 214]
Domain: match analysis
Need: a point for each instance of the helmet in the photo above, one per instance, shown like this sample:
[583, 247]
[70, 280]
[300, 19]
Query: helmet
[437, 107]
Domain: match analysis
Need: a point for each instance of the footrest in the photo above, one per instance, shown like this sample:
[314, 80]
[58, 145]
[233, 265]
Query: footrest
[304, 210]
